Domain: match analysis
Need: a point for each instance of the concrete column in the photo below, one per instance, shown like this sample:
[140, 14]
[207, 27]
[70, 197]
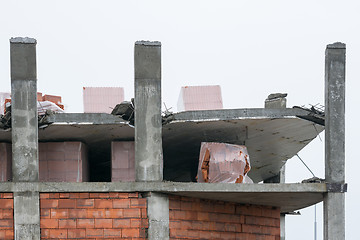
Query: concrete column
[334, 203]
[278, 100]
[158, 214]
[24, 123]
[148, 125]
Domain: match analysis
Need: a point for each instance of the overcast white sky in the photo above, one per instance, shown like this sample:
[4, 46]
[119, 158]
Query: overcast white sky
[250, 48]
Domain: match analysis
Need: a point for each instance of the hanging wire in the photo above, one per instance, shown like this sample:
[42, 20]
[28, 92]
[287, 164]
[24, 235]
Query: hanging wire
[315, 222]
[305, 165]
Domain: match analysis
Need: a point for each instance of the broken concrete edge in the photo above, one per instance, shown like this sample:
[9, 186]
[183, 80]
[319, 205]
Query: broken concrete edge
[246, 113]
[23, 40]
[148, 43]
[336, 45]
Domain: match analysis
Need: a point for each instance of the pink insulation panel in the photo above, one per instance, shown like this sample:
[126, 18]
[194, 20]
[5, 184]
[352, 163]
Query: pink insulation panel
[5, 162]
[224, 163]
[102, 99]
[63, 162]
[200, 98]
[122, 161]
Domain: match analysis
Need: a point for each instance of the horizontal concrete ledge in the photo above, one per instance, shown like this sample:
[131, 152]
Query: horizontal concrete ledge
[246, 113]
[148, 43]
[84, 118]
[288, 197]
[208, 115]
[170, 187]
[26, 40]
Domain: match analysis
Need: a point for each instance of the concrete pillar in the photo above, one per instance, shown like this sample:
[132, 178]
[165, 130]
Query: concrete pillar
[158, 214]
[278, 100]
[148, 125]
[334, 203]
[24, 121]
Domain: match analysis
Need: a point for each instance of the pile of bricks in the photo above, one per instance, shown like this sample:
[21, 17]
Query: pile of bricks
[93, 216]
[192, 218]
[6, 216]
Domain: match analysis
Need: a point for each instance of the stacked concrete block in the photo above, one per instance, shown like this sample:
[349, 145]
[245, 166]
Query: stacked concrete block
[63, 162]
[102, 99]
[122, 161]
[200, 98]
[5, 162]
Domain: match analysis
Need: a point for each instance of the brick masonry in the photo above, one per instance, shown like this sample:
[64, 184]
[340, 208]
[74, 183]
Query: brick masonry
[6, 216]
[192, 218]
[93, 216]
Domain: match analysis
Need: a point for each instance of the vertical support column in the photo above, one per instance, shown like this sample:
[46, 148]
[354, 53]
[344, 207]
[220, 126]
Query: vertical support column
[278, 100]
[24, 123]
[158, 214]
[148, 125]
[334, 203]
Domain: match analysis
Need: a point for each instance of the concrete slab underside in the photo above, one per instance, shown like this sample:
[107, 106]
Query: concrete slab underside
[272, 136]
[289, 197]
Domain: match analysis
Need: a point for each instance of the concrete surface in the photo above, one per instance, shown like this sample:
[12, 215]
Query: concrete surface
[289, 197]
[24, 121]
[26, 215]
[148, 121]
[158, 214]
[334, 203]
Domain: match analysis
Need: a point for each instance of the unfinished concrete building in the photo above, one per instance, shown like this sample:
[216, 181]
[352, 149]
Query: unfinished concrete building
[162, 199]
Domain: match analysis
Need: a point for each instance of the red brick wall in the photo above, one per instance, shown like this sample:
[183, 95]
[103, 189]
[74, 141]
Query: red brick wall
[93, 216]
[192, 218]
[6, 216]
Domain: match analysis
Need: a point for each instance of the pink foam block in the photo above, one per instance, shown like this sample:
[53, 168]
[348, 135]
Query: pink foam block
[200, 98]
[63, 162]
[122, 161]
[5, 162]
[102, 99]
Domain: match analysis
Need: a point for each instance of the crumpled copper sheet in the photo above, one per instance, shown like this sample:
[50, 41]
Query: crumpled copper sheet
[223, 163]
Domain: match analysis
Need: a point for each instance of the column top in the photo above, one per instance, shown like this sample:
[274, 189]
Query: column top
[337, 45]
[25, 40]
[148, 43]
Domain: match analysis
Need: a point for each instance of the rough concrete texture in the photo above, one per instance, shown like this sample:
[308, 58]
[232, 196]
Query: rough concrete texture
[335, 113]
[148, 121]
[23, 60]
[334, 203]
[24, 111]
[334, 216]
[158, 214]
[27, 215]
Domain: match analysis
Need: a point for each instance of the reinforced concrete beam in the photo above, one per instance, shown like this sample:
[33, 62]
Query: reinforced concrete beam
[148, 121]
[24, 124]
[334, 203]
